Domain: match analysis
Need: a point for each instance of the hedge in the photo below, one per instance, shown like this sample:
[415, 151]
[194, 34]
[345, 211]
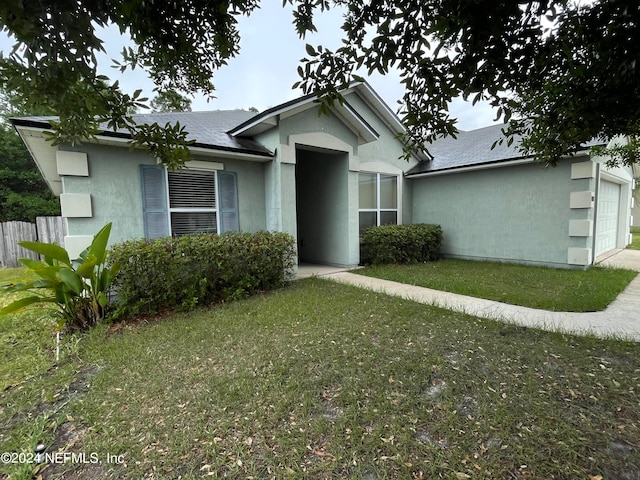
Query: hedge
[198, 269]
[400, 244]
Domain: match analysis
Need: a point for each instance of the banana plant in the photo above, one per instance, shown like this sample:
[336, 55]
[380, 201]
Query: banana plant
[79, 289]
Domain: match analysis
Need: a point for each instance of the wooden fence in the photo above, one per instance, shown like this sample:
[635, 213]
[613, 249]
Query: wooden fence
[46, 229]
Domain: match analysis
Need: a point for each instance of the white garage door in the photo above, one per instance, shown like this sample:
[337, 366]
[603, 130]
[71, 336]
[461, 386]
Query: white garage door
[608, 212]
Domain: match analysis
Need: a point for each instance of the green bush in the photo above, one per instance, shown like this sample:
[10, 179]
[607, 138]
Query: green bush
[198, 269]
[400, 244]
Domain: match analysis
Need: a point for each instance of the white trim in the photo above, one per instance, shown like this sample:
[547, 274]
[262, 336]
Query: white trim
[379, 210]
[297, 107]
[215, 209]
[379, 167]
[75, 205]
[581, 170]
[579, 256]
[76, 244]
[580, 228]
[199, 165]
[74, 164]
[584, 199]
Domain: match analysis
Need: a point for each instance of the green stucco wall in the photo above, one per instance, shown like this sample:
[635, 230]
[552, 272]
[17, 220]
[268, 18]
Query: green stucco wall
[387, 149]
[309, 121]
[518, 213]
[114, 184]
[307, 146]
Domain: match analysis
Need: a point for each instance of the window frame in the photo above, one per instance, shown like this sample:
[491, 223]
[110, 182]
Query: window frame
[378, 210]
[215, 209]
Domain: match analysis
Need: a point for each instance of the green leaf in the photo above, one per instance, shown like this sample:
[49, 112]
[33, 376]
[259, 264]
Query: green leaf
[43, 270]
[85, 269]
[102, 299]
[72, 280]
[18, 305]
[48, 250]
[98, 247]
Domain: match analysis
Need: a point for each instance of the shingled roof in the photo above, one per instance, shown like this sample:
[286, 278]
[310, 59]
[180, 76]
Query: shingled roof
[473, 149]
[207, 129]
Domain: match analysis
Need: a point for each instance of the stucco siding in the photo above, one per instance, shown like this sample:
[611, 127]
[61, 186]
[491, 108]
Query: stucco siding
[251, 197]
[386, 149]
[518, 213]
[114, 184]
[309, 121]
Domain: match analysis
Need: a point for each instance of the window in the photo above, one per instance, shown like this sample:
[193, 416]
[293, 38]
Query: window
[188, 201]
[378, 194]
[192, 202]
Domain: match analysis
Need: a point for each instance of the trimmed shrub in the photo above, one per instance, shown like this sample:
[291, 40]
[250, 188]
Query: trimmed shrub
[400, 244]
[198, 269]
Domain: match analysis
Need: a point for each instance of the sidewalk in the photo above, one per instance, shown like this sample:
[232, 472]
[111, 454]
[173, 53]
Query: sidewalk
[621, 319]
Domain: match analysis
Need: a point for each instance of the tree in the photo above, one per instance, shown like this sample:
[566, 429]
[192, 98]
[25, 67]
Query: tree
[564, 71]
[23, 194]
[170, 101]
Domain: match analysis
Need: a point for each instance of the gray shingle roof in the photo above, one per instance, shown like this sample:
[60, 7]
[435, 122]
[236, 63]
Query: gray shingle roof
[471, 148]
[208, 129]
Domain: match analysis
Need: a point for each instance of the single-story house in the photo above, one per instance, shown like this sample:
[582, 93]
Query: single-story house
[324, 179]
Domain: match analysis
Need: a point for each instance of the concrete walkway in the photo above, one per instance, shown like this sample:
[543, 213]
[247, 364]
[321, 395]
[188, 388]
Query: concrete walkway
[621, 319]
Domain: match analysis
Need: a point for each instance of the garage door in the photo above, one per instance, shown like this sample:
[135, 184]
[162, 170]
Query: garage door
[608, 212]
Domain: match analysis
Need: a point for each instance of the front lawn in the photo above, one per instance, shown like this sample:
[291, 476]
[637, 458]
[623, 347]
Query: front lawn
[24, 350]
[635, 244]
[322, 380]
[535, 287]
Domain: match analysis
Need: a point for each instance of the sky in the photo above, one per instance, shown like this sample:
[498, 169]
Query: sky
[262, 74]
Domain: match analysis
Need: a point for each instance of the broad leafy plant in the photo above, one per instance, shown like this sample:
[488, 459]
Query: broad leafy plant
[79, 289]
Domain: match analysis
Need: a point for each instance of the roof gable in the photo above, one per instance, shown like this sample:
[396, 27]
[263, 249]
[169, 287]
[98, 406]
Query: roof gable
[269, 118]
[345, 112]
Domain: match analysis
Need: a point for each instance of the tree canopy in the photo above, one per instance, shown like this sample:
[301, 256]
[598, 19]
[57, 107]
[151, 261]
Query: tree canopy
[562, 71]
[170, 101]
[23, 193]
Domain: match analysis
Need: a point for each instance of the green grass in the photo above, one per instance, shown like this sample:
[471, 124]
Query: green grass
[635, 244]
[25, 352]
[321, 380]
[535, 287]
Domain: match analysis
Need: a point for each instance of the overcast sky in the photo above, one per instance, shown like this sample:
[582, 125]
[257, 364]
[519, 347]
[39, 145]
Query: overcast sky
[262, 74]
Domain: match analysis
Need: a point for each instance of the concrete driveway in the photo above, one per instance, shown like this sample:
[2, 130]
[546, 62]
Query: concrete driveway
[623, 259]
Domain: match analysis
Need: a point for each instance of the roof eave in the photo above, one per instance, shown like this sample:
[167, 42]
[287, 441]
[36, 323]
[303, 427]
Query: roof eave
[488, 165]
[124, 139]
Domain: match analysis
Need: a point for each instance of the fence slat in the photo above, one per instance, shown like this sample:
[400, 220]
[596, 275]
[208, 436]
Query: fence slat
[50, 230]
[46, 229]
[2, 252]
